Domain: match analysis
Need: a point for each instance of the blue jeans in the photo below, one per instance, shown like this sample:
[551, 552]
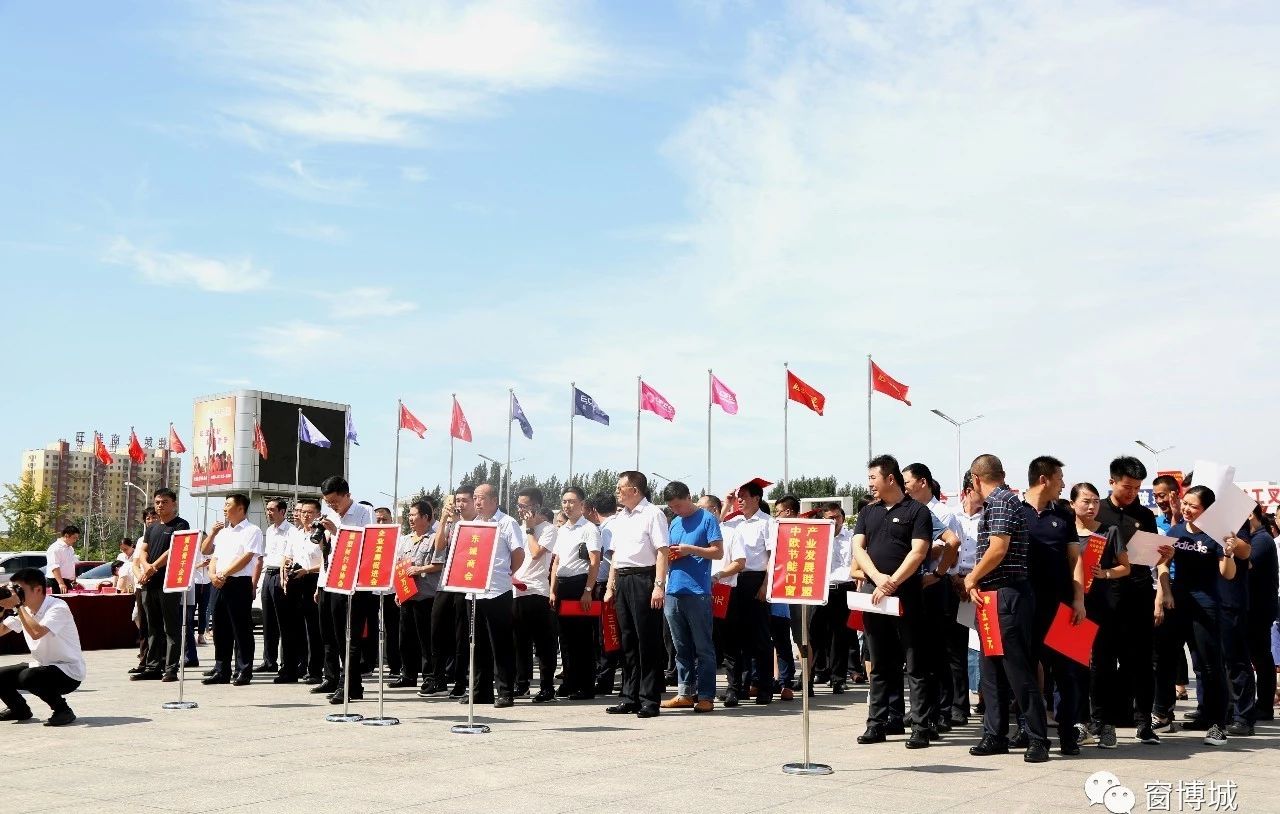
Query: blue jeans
[689, 617]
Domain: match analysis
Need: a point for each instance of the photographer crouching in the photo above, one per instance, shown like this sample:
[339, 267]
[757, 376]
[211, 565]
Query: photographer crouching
[57, 664]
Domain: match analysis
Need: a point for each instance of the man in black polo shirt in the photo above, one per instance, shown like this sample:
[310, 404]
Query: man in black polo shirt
[1054, 548]
[1136, 607]
[890, 542]
[1002, 567]
[163, 610]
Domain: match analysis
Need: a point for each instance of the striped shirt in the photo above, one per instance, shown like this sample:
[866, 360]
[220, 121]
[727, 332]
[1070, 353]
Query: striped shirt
[1002, 516]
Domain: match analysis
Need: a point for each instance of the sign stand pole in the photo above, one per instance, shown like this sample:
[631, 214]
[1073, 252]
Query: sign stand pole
[346, 717]
[381, 720]
[182, 664]
[805, 768]
[471, 727]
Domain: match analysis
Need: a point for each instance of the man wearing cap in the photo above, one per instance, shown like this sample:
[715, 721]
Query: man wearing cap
[748, 610]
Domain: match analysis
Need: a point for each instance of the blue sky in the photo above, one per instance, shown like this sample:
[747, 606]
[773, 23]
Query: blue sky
[1062, 216]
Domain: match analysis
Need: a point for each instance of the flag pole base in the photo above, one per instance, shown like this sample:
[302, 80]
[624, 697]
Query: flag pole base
[381, 721]
[179, 705]
[469, 729]
[344, 718]
[806, 768]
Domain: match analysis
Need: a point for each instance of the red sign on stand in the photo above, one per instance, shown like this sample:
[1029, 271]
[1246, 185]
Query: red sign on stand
[181, 568]
[343, 562]
[800, 562]
[377, 558]
[470, 565]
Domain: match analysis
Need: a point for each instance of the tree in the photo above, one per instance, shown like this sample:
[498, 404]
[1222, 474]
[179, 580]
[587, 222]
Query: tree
[29, 514]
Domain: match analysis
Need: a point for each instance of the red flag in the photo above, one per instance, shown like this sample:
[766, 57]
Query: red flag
[656, 403]
[458, 427]
[803, 393]
[410, 422]
[259, 440]
[100, 450]
[175, 443]
[136, 453]
[726, 398]
[891, 387]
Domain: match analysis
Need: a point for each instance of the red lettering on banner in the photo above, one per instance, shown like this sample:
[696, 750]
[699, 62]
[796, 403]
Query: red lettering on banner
[720, 600]
[609, 628]
[988, 619]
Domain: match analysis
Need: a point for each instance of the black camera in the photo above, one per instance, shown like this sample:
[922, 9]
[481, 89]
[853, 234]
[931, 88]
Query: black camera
[12, 589]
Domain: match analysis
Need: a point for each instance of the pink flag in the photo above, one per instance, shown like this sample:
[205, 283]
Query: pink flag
[723, 396]
[653, 401]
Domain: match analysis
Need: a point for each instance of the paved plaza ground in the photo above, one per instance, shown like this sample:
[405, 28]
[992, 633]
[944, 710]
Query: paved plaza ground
[268, 748]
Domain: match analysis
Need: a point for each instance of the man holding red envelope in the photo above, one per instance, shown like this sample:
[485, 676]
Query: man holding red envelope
[573, 579]
[695, 541]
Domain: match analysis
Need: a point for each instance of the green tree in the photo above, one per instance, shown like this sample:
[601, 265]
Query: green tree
[29, 513]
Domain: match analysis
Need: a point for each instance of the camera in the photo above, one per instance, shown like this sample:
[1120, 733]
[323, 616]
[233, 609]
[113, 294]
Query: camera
[318, 532]
[12, 589]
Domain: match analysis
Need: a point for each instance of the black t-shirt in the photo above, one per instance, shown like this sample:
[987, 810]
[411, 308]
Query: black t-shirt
[158, 538]
[1050, 533]
[1129, 519]
[890, 530]
[1110, 555]
[1195, 565]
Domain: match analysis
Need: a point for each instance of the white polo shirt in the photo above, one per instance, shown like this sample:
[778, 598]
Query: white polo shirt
[841, 557]
[60, 557]
[968, 541]
[302, 551]
[569, 538]
[233, 542]
[535, 572]
[276, 542]
[733, 551]
[358, 516]
[510, 537]
[60, 647]
[948, 517]
[637, 534]
[758, 533]
[606, 549]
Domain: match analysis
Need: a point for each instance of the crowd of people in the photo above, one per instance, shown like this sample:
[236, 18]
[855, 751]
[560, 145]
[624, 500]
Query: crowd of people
[660, 568]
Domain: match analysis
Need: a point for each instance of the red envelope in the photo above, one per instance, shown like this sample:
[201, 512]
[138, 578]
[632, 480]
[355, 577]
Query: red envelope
[609, 628]
[855, 621]
[1073, 641]
[572, 607]
[406, 586]
[1091, 556]
[987, 620]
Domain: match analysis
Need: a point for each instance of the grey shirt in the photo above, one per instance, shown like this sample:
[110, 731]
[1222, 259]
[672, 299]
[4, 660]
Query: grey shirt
[423, 552]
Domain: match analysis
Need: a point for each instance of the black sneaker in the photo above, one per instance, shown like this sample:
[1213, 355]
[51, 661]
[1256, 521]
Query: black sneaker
[875, 734]
[16, 717]
[1021, 740]
[1107, 737]
[62, 717]
[1239, 728]
[1214, 736]
[1163, 725]
[1146, 734]
[544, 696]
[1038, 752]
[919, 739]
[990, 745]
[731, 699]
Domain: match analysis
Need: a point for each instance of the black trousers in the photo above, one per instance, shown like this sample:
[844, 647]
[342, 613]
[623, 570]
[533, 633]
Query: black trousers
[535, 629]
[415, 639]
[577, 637]
[640, 629]
[1066, 675]
[495, 648]
[332, 629]
[337, 653]
[288, 622]
[49, 684]
[271, 595]
[1013, 675]
[302, 596]
[893, 642]
[830, 634]
[1235, 655]
[164, 626]
[142, 628]
[749, 618]
[1109, 695]
[446, 611]
[936, 604]
[953, 684]
[233, 623]
[1136, 618]
[1200, 626]
[1258, 634]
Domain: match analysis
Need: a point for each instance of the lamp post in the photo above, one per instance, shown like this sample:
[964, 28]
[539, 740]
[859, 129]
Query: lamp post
[1156, 452]
[506, 476]
[959, 459]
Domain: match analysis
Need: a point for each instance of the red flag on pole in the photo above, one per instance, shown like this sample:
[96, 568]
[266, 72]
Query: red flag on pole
[259, 440]
[726, 398]
[136, 453]
[884, 383]
[100, 450]
[656, 403]
[175, 443]
[797, 390]
[410, 422]
[458, 427]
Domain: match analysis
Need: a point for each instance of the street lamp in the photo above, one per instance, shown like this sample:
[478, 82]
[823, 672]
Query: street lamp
[506, 475]
[1156, 452]
[959, 460]
[664, 477]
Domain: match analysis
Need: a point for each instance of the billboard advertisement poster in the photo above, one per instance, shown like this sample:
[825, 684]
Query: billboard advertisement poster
[213, 448]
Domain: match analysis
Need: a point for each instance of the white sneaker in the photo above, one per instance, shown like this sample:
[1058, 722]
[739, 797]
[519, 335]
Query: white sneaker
[1083, 735]
[1215, 736]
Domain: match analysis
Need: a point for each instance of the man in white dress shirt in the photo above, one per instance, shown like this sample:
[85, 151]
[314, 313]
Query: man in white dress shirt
[342, 663]
[495, 631]
[303, 561]
[61, 561]
[748, 610]
[275, 603]
[535, 624]
[576, 566]
[235, 545]
[56, 666]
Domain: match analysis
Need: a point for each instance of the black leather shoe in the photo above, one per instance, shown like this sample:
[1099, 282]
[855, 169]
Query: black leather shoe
[919, 739]
[504, 702]
[402, 682]
[147, 675]
[458, 691]
[622, 709]
[990, 745]
[544, 696]
[763, 699]
[874, 734]
[139, 669]
[217, 678]
[581, 695]
[648, 711]
[942, 725]
[285, 678]
[325, 688]
[61, 718]
[563, 692]
[1022, 740]
[895, 728]
[243, 679]
[267, 667]
[337, 698]
[212, 672]
[932, 734]
[837, 688]
[169, 678]
[731, 699]
[1038, 752]
[1240, 729]
[16, 717]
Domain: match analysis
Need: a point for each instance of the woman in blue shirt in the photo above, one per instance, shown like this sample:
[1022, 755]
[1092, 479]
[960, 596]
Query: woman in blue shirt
[1199, 561]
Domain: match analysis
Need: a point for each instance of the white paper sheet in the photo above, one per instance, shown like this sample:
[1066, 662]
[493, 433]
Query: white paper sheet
[966, 614]
[1143, 548]
[889, 606]
[1227, 514]
[1214, 475]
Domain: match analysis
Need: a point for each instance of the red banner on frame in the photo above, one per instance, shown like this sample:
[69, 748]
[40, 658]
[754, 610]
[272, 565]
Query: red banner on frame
[609, 628]
[1091, 556]
[377, 558]
[406, 586]
[343, 561]
[470, 565]
[800, 562]
[184, 548]
[988, 621]
[720, 600]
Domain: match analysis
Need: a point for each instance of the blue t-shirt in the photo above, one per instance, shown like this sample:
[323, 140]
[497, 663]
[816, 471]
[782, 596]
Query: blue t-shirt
[692, 575]
[1196, 556]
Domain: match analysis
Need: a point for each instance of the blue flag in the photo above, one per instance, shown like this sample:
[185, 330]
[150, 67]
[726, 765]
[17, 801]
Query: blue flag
[351, 430]
[518, 415]
[585, 406]
[307, 432]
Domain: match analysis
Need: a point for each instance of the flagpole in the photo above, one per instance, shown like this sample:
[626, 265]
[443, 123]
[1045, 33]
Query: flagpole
[638, 386]
[455, 410]
[395, 480]
[573, 388]
[786, 410]
[297, 457]
[506, 473]
[88, 514]
[868, 407]
[709, 397]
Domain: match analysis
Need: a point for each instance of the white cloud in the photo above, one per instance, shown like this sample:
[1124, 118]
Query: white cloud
[319, 232]
[303, 182]
[415, 175]
[360, 302]
[375, 73]
[183, 269]
[295, 340]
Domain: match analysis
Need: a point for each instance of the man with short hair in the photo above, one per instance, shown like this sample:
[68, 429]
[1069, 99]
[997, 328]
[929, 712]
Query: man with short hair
[890, 543]
[300, 580]
[61, 561]
[1002, 567]
[450, 617]
[149, 518]
[830, 624]
[235, 545]
[601, 508]
[423, 564]
[163, 610]
[748, 609]
[535, 624]
[638, 584]
[695, 542]
[341, 509]
[956, 639]
[281, 631]
[575, 569]
[1167, 493]
[495, 636]
[56, 666]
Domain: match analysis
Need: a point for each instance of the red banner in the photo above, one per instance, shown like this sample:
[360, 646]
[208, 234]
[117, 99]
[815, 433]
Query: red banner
[343, 562]
[406, 586]
[470, 565]
[1091, 556]
[800, 562]
[988, 621]
[720, 600]
[181, 568]
[377, 558]
[573, 607]
[609, 628]
[855, 621]
[1073, 641]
